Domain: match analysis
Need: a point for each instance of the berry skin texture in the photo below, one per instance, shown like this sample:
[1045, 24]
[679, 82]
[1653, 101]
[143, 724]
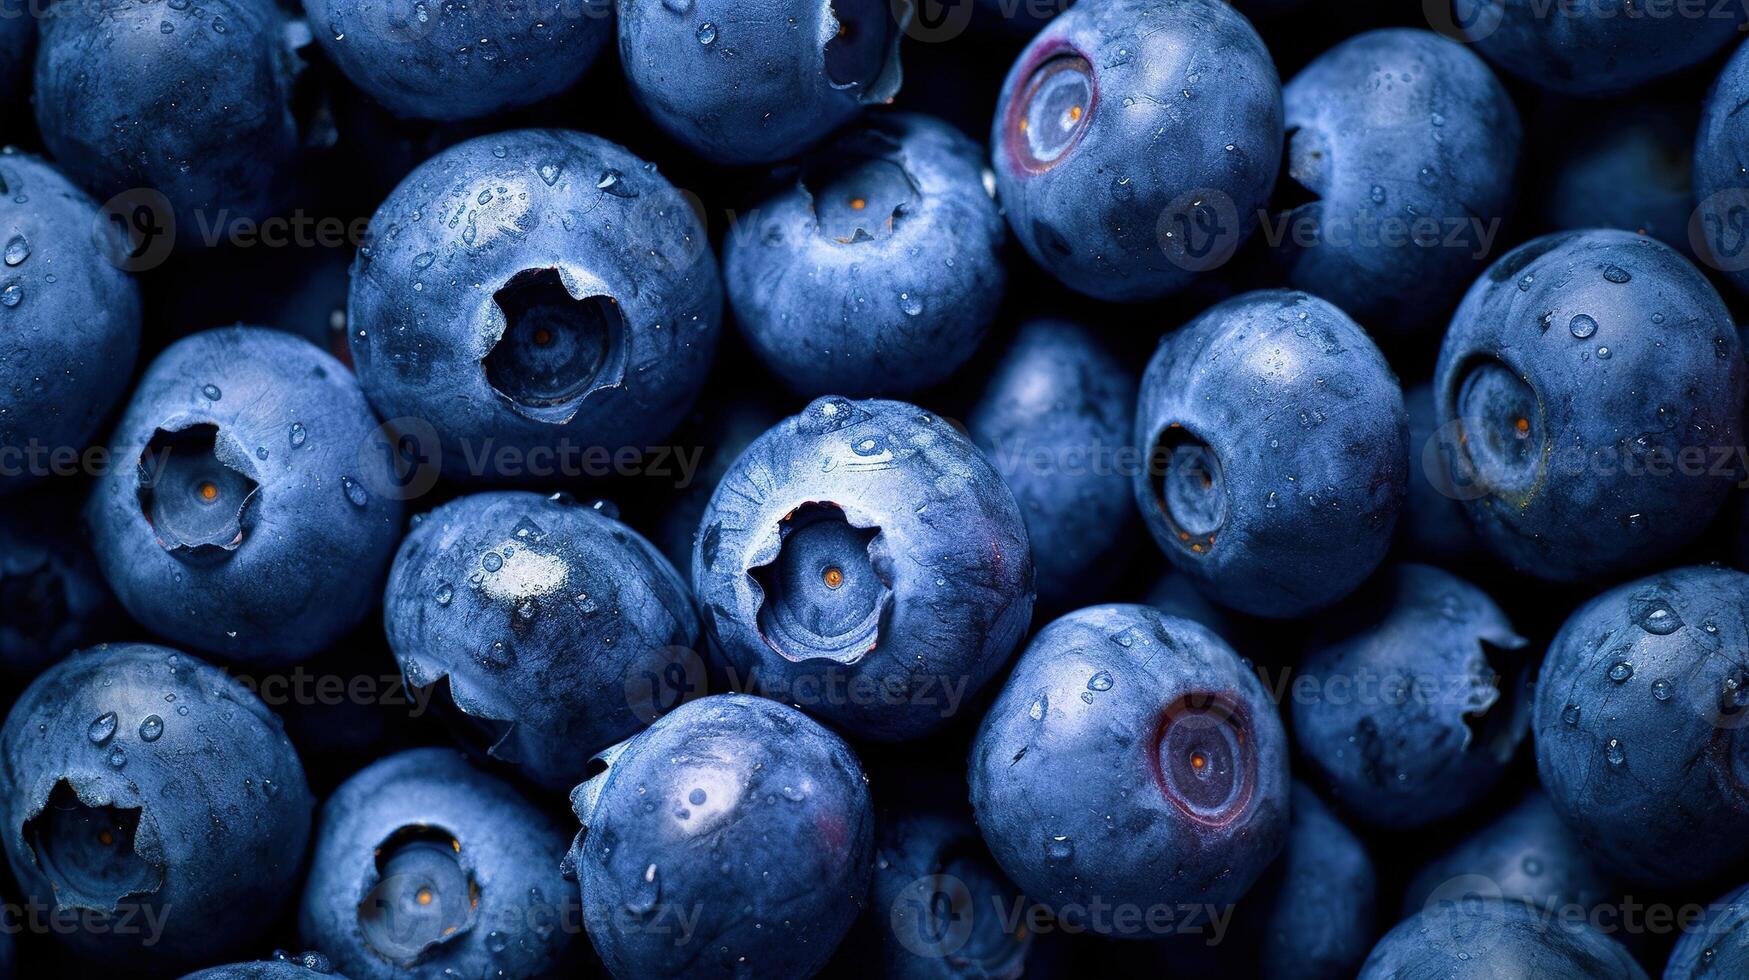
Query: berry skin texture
[1395, 754]
[70, 315]
[1587, 388]
[930, 900]
[1719, 230]
[1595, 49]
[864, 561]
[1316, 910]
[1639, 734]
[1053, 418]
[425, 866]
[529, 293]
[880, 269]
[450, 61]
[758, 81]
[283, 966]
[137, 779]
[1397, 128]
[737, 810]
[1131, 759]
[1487, 939]
[259, 517]
[125, 104]
[1714, 946]
[1277, 447]
[547, 621]
[1135, 142]
[1526, 854]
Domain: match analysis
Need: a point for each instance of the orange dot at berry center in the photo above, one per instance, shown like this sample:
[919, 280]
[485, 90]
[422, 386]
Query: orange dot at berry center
[833, 578]
[208, 491]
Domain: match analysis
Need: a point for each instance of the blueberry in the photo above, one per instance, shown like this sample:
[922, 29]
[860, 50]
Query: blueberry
[878, 271]
[553, 629]
[738, 813]
[426, 866]
[191, 100]
[1588, 390]
[434, 60]
[143, 783]
[1316, 910]
[1277, 452]
[865, 561]
[1629, 167]
[71, 319]
[250, 511]
[1433, 526]
[1719, 229]
[1638, 712]
[1595, 48]
[1714, 946]
[1055, 418]
[52, 596]
[936, 904]
[1485, 940]
[1526, 854]
[1407, 144]
[1135, 142]
[283, 966]
[1420, 698]
[17, 51]
[530, 296]
[739, 84]
[1132, 760]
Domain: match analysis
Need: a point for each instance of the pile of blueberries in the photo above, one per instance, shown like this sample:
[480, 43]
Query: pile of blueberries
[1023, 489]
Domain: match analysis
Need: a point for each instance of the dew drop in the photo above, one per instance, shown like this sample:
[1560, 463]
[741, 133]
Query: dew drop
[1621, 671]
[1613, 752]
[1100, 682]
[1661, 689]
[102, 728]
[707, 33]
[151, 728]
[1570, 714]
[1583, 326]
[298, 434]
[17, 250]
[1657, 618]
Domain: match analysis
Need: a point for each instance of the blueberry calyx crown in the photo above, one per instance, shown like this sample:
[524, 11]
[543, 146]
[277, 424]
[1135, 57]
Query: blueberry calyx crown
[824, 596]
[194, 491]
[422, 895]
[557, 347]
[862, 55]
[1053, 110]
[87, 851]
[1189, 488]
[861, 192]
[1501, 438]
[1203, 761]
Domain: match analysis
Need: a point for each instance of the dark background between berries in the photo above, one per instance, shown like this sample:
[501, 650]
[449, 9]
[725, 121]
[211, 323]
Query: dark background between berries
[361, 152]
